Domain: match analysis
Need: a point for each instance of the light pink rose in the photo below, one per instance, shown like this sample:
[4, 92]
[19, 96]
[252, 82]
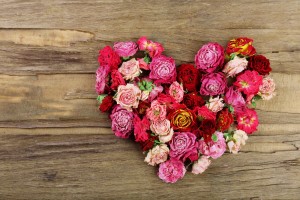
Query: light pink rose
[240, 136]
[266, 90]
[235, 99]
[101, 78]
[176, 91]
[130, 69]
[215, 104]
[121, 122]
[201, 165]
[234, 147]
[171, 171]
[163, 129]
[128, 96]
[125, 49]
[213, 84]
[183, 145]
[157, 111]
[213, 149]
[157, 155]
[163, 69]
[235, 66]
[155, 92]
[209, 57]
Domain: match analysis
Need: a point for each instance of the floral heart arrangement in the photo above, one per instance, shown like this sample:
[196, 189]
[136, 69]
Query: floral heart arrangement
[187, 115]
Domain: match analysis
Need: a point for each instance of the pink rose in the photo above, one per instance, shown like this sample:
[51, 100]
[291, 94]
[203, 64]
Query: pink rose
[101, 78]
[163, 129]
[140, 128]
[128, 96]
[235, 66]
[125, 49]
[176, 91]
[155, 92]
[143, 64]
[266, 90]
[171, 171]
[213, 84]
[235, 99]
[130, 69]
[215, 104]
[157, 111]
[183, 145]
[153, 48]
[157, 155]
[163, 69]
[201, 165]
[121, 122]
[213, 149]
[209, 57]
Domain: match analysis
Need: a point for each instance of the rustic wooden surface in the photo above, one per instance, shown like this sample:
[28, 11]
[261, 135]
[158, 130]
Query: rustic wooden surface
[54, 144]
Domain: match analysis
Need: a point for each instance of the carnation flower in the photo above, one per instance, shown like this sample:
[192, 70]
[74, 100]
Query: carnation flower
[143, 64]
[213, 84]
[183, 145]
[207, 129]
[209, 57]
[163, 69]
[116, 79]
[102, 79]
[260, 64]
[233, 147]
[148, 144]
[267, 89]
[128, 96]
[247, 121]
[215, 104]
[157, 111]
[213, 149]
[192, 100]
[235, 99]
[235, 66]
[163, 129]
[130, 69]
[121, 122]
[204, 113]
[241, 46]
[125, 49]
[182, 119]
[106, 104]
[171, 171]
[201, 165]
[224, 120]
[107, 56]
[249, 82]
[239, 138]
[155, 92]
[189, 77]
[157, 155]
[153, 48]
[176, 91]
[140, 128]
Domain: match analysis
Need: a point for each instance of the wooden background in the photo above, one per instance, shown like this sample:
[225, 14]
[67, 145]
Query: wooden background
[54, 144]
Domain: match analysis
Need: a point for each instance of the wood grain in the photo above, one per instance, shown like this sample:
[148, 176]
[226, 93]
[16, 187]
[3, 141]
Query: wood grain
[54, 144]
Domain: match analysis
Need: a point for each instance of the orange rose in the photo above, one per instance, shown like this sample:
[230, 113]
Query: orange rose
[182, 119]
[241, 46]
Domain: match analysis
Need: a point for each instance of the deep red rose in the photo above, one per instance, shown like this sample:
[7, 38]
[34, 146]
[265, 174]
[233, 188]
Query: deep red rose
[107, 104]
[192, 100]
[107, 56]
[207, 129]
[148, 144]
[116, 79]
[224, 120]
[143, 106]
[189, 76]
[260, 64]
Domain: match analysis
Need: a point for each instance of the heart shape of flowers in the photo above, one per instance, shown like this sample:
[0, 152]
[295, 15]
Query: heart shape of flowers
[185, 115]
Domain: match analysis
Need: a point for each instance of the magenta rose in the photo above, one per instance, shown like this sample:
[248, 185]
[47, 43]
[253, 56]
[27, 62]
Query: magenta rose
[101, 78]
[163, 69]
[183, 145]
[209, 57]
[235, 99]
[171, 171]
[125, 49]
[213, 84]
[213, 149]
[121, 122]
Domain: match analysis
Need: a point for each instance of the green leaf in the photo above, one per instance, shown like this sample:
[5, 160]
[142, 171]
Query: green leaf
[253, 103]
[214, 137]
[126, 58]
[147, 59]
[232, 56]
[101, 97]
[230, 108]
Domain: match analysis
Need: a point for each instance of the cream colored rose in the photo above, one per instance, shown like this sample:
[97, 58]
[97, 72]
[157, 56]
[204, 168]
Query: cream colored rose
[240, 136]
[163, 129]
[130, 69]
[157, 155]
[234, 147]
[201, 165]
[235, 66]
[215, 104]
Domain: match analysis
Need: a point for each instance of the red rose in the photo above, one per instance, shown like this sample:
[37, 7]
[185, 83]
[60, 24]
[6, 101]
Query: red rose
[143, 106]
[260, 64]
[107, 104]
[192, 100]
[207, 129]
[189, 76]
[140, 128]
[241, 46]
[204, 113]
[224, 120]
[116, 79]
[148, 144]
[107, 56]
[182, 119]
